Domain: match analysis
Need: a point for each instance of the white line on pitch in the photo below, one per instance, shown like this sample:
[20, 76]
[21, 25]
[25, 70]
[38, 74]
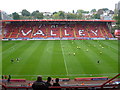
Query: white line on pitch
[64, 59]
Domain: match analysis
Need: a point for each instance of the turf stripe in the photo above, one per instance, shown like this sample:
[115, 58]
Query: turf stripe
[90, 61]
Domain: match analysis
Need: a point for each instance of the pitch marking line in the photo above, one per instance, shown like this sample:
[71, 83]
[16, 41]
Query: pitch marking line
[103, 74]
[64, 60]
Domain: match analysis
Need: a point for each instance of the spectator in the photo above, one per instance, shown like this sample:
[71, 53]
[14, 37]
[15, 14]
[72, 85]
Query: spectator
[48, 82]
[39, 84]
[9, 77]
[56, 84]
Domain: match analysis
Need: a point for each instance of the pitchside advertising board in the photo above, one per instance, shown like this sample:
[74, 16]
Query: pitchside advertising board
[80, 38]
[91, 78]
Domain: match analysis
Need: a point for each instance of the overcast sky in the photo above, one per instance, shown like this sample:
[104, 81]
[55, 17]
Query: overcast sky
[10, 6]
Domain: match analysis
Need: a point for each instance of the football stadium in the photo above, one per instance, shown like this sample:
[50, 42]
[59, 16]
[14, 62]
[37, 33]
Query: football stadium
[75, 51]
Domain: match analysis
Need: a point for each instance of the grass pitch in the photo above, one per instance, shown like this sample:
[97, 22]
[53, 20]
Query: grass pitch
[55, 58]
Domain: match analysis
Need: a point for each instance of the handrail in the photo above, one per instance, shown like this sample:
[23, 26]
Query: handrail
[110, 80]
[83, 86]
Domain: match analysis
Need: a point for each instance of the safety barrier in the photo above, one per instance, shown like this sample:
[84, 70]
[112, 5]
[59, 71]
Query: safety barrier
[14, 80]
[91, 78]
[83, 87]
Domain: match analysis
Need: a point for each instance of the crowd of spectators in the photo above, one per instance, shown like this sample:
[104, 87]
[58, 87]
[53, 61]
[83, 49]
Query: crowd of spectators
[39, 84]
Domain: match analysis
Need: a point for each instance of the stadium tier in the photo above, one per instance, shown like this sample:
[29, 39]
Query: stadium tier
[56, 29]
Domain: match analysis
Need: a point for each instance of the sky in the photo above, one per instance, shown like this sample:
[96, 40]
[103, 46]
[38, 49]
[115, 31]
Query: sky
[10, 6]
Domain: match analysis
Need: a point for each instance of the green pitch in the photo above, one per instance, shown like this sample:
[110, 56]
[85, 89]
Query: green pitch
[55, 58]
